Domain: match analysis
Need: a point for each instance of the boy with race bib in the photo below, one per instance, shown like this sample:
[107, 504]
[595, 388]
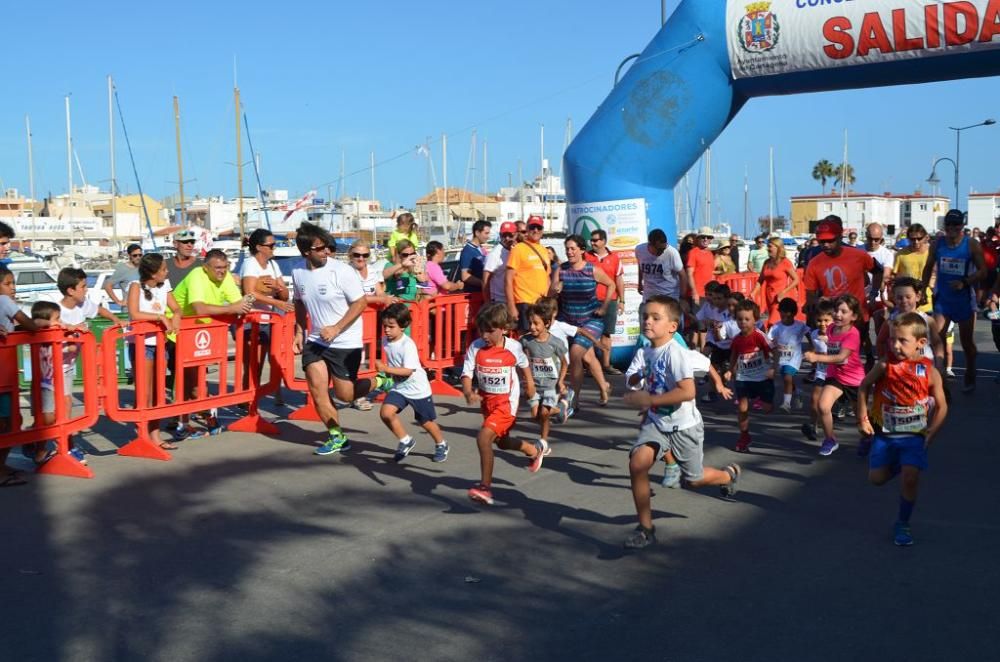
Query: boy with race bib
[751, 369]
[547, 356]
[907, 411]
[786, 337]
[494, 360]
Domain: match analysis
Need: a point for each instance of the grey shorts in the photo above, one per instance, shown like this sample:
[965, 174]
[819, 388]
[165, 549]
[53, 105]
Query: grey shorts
[686, 445]
[48, 401]
[548, 397]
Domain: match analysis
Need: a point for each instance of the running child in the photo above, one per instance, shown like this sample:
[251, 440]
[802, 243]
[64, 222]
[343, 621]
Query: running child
[908, 409]
[787, 337]
[663, 379]
[906, 299]
[492, 359]
[47, 313]
[751, 369]
[844, 367]
[410, 388]
[713, 317]
[547, 356]
[818, 339]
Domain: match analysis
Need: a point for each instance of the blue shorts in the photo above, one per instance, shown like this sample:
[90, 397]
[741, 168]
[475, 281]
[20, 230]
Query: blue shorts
[752, 390]
[957, 309]
[903, 450]
[594, 327]
[423, 409]
[5, 405]
[789, 370]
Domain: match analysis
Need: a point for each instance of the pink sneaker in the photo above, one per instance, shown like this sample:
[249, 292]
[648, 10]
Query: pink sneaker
[481, 493]
[541, 450]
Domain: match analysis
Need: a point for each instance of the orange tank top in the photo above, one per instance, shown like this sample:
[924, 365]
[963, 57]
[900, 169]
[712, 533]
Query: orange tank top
[902, 401]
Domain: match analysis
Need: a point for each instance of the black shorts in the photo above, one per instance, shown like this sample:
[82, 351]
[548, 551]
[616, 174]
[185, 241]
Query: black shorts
[342, 363]
[720, 358]
[750, 390]
[423, 408]
[850, 391]
[523, 321]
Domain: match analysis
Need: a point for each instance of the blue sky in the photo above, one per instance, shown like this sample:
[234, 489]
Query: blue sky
[320, 77]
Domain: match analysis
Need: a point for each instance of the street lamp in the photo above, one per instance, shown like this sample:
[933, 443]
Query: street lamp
[958, 147]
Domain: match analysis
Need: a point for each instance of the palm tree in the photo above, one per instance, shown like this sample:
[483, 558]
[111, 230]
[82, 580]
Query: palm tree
[823, 171]
[839, 175]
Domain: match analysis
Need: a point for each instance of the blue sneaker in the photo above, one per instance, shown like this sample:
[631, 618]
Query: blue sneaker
[828, 447]
[337, 443]
[671, 476]
[441, 452]
[901, 534]
[183, 432]
[77, 454]
[403, 449]
[213, 426]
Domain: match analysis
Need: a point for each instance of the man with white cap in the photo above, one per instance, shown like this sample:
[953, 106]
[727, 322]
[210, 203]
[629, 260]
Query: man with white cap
[184, 261]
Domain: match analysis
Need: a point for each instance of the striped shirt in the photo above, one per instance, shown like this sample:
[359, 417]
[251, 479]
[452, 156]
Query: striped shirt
[578, 299]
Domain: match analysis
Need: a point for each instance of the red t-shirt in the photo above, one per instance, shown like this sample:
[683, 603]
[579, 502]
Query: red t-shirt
[702, 261]
[752, 353]
[610, 265]
[843, 274]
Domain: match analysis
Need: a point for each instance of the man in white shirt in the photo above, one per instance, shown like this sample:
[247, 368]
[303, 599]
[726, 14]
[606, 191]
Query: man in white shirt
[494, 290]
[329, 301]
[661, 270]
[875, 246]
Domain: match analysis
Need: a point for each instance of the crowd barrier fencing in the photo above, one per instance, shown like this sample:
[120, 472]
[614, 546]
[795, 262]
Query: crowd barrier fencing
[745, 281]
[452, 320]
[46, 350]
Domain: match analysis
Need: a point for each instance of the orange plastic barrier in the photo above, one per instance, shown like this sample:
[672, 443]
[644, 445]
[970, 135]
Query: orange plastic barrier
[47, 349]
[199, 345]
[453, 327]
[745, 281]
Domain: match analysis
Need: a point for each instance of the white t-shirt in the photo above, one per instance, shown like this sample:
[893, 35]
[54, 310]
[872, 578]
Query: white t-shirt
[327, 293]
[371, 282]
[8, 310]
[787, 342]
[886, 259]
[708, 315]
[660, 273]
[157, 305]
[563, 331]
[70, 316]
[661, 369]
[725, 334]
[252, 268]
[819, 346]
[403, 354]
[496, 265]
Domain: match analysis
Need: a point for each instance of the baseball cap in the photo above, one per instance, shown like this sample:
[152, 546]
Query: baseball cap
[828, 230]
[954, 217]
[706, 231]
[185, 235]
[536, 221]
[508, 228]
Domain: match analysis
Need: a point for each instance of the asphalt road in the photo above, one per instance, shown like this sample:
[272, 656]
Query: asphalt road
[247, 548]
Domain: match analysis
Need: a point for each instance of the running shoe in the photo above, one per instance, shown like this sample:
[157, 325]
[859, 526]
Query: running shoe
[849, 411]
[901, 534]
[949, 372]
[213, 426]
[184, 432]
[403, 449]
[77, 454]
[969, 388]
[809, 431]
[440, 452]
[381, 384]
[541, 450]
[611, 370]
[743, 443]
[839, 411]
[864, 446]
[337, 443]
[829, 445]
[671, 476]
[481, 494]
[362, 404]
[757, 404]
[730, 489]
[640, 538]
[785, 407]
[563, 408]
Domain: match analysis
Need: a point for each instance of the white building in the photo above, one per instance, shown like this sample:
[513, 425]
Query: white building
[893, 211]
[544, 197]
[984, 209]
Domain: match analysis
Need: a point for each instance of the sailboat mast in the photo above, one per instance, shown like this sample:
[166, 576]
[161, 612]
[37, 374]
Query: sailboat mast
[372, 161]
[111, 153]
[485, 171]
[239, 165]
[444, 176]
[770, 192]
[708, 187]
[31, 178]
[844, 184]
[69, 170]
[180, 161]
[746, 198]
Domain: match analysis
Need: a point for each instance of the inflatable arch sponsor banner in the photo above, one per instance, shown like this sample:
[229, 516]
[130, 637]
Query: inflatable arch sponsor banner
[781, 36]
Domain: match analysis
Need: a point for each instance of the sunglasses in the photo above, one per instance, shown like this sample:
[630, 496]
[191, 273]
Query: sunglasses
[271, 245]
[185, 241]
[135, 255]
[875, 240]
[923, 238]
[535, 228]
[593, 239]
[319, 249]
[364, 255]
[954, 224]
[507, 235]
[407, 254]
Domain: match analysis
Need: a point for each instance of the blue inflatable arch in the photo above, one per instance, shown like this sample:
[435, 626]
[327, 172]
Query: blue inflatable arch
[712, 56]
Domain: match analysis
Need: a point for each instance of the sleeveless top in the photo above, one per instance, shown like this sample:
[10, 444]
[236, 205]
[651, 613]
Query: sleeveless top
[953, 263]
[578, 299]
[902, 401]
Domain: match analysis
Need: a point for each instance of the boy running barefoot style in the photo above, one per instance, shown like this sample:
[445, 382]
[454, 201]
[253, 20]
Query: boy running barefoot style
[844, 369]
[751, 368]
[786, 337]
[908, 409]
[818, 342]
[401, 362]
[663, 379]
[546, 354]
[494, 359]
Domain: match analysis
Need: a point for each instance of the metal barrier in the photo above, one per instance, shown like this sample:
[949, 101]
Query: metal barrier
[198, 345]
[47, 349]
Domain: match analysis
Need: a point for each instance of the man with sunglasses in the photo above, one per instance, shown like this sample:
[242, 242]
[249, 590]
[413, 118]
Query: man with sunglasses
[840, 269]
[528, 275]
[472, 259]
[181, 264]
[496, 265]
[959, 261]
[608, 261]
[329, 301]
[875, 246]
[124, 274]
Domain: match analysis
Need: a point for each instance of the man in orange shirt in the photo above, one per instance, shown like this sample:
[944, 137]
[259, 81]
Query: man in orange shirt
[527, 277]
[700, 265]
[840, 269]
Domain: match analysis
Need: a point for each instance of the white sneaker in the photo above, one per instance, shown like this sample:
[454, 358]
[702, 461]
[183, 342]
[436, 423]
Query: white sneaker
[949, 372]
[785, 407]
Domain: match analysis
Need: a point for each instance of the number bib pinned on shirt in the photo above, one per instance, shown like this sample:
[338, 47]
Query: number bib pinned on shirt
[544, 369]
[751, 367]
[952, 266]
[900, 420]
[494, 381]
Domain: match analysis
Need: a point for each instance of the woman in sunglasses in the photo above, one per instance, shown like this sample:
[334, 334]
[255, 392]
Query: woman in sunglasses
[401, 277]
[372, 279]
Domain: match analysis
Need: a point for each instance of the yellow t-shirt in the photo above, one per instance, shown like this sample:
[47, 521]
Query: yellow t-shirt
[911, 264]
[531, 272]
[397, 235]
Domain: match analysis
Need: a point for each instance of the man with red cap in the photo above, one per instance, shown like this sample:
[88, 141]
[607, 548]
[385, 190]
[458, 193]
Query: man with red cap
[840, 269]
[494, 287]
[528, 273]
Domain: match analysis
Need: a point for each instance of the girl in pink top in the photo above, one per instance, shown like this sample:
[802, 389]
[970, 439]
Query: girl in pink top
[845, 371]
